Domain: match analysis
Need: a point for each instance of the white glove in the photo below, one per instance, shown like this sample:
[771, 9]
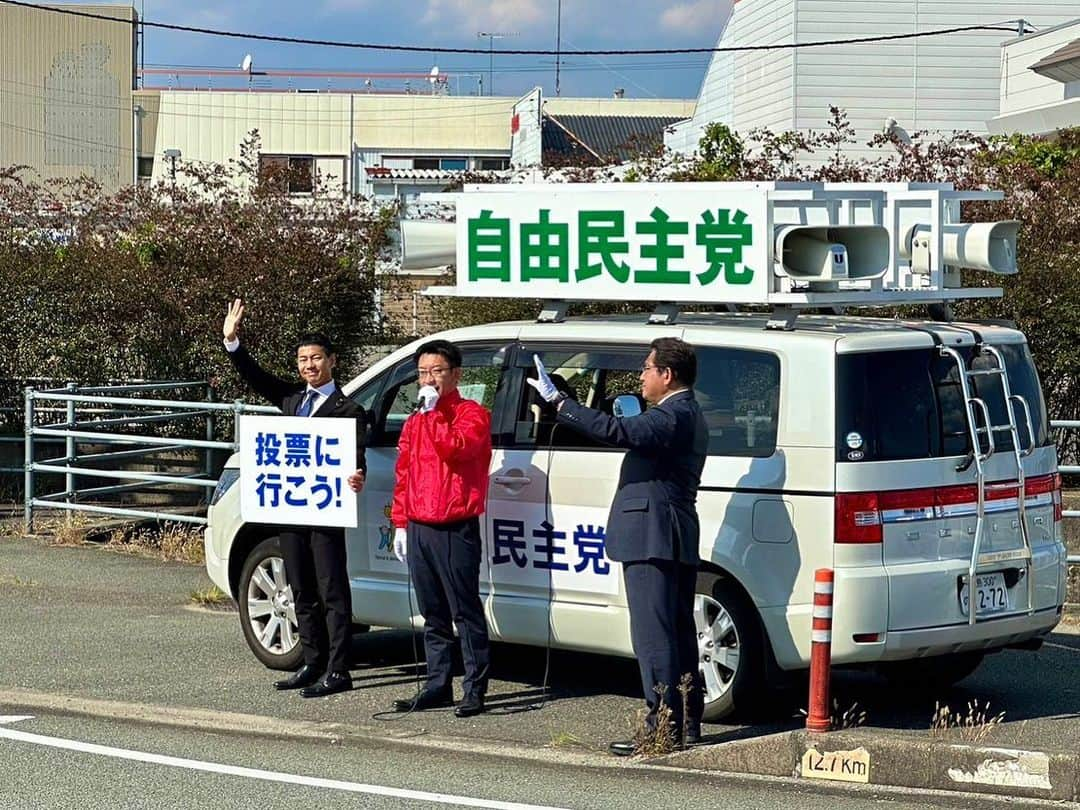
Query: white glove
[428, 397]
[543, 384]
[400, 544]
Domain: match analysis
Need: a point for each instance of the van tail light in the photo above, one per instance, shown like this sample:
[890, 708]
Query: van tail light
[858, 518]
[1044, 484]
[861, 516]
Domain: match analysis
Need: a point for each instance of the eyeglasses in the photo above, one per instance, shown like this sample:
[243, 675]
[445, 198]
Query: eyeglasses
[646, 367]
[436, 371]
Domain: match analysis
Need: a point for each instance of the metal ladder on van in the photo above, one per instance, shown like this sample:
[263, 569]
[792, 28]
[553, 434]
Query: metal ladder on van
[976, 435]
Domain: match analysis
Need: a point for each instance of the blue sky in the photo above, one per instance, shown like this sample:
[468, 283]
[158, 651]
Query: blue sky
[599, 24]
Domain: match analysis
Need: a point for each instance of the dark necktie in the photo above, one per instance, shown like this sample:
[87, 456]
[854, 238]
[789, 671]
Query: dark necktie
[305, 405]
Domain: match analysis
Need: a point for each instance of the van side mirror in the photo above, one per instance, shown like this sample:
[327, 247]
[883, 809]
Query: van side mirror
[626, 405]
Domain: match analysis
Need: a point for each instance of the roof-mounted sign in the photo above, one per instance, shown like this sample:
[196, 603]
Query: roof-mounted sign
[744, 243]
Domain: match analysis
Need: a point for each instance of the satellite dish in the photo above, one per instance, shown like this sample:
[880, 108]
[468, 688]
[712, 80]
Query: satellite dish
[434, 75]
[247, 63]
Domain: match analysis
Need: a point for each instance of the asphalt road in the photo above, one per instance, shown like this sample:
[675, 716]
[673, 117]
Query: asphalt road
[201, 772]
[95, 624]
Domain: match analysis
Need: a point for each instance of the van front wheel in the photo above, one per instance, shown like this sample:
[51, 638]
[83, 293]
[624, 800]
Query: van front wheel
[267, 615]
[730, 651]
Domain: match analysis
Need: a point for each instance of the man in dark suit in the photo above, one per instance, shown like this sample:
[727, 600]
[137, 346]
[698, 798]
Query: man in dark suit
[653, 525]
[315, 560]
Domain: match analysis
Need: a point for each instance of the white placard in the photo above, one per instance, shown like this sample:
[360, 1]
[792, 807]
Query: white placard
[294, 471]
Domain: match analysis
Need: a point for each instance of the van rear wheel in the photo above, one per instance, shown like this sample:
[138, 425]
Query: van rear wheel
[930, 673]
[730, 648]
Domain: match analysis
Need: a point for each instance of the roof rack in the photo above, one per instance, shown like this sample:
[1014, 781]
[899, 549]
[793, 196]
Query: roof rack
[791, 246]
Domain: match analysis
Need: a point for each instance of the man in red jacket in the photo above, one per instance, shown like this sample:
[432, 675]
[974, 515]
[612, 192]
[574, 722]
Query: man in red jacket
[441, 484]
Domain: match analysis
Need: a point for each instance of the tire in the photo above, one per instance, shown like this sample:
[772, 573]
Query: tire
[939, 672]
[731, 650]
[267, 615]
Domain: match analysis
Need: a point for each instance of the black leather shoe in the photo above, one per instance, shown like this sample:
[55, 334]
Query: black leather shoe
[333, 683]
[469, 706]
[305, 676]
[424, 699]
[622, 748]
[693, 735]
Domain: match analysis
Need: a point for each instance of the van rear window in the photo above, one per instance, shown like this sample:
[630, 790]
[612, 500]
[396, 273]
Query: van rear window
[908, 404]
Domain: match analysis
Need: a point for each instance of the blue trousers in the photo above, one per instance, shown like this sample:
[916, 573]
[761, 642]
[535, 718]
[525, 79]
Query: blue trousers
[660, 595]
[444, 563]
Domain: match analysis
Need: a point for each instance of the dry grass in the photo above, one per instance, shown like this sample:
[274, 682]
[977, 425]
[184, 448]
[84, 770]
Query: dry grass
[973, 726]
[171, 541]
[13, 582]
[212, 597]
[564, 739]
[852, 717]
[658, 739]
[178, 542]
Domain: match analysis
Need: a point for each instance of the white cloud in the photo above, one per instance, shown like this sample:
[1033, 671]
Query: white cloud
[696, 16]
[466, 17]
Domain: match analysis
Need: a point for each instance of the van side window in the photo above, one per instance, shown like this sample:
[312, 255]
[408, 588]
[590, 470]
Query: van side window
[592, 375]
[739, 393]
[481, 368]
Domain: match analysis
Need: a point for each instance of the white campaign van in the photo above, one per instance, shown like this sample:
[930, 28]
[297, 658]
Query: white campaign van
[909, 456]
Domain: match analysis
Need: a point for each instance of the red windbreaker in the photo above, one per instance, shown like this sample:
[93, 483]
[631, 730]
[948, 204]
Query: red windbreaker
[441, 474]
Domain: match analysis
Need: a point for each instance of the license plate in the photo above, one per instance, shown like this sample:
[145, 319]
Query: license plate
[991, 596]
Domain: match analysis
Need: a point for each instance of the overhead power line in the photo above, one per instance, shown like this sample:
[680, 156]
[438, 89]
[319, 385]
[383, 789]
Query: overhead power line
[371, 46]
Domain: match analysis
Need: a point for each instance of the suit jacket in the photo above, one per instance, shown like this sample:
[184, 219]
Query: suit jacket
[654, 514]
[288, 395]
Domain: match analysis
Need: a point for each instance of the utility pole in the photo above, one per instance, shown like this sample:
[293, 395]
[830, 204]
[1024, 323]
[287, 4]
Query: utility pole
[558, 44]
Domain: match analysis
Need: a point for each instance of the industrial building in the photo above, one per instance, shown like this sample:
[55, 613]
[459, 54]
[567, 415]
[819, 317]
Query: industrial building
[69, 105]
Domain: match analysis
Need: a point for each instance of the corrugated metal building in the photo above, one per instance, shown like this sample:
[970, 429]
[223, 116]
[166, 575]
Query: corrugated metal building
[941, 83]
[66, 92]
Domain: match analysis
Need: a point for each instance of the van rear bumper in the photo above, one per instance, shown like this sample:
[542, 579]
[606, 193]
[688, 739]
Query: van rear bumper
[989, 634]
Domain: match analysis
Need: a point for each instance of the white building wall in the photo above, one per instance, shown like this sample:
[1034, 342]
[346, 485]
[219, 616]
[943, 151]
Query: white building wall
[762, 82]
[744, 90]
[944, 83]
[1023, 89]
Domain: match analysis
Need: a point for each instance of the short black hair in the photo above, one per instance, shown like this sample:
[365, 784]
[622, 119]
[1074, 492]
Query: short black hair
[677, 355]
[315, 339]
[444, 348]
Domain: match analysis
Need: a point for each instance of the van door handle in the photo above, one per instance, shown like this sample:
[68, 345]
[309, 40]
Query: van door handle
[512, 480]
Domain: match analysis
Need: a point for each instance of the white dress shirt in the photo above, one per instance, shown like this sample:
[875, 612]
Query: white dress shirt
[670, 394]
[322, 393]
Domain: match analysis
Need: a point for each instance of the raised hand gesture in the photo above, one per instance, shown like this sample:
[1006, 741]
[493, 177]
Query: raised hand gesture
[232, 319]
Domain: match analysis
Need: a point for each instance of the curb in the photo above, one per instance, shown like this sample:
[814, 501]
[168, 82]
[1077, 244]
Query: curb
[894, 759]
[894, 763]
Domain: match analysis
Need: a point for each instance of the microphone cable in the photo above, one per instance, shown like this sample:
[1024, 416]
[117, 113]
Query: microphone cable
[549, 517]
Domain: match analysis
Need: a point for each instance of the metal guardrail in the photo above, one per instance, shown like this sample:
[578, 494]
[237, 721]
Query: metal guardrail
[1073, 469]
[79, 416]
[113, 407]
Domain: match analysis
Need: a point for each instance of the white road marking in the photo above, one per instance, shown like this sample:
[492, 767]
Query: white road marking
[14, 718]
[255, 773]
[1061, 646]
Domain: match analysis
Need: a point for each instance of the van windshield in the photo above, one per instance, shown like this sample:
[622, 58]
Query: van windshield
[908, 404]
